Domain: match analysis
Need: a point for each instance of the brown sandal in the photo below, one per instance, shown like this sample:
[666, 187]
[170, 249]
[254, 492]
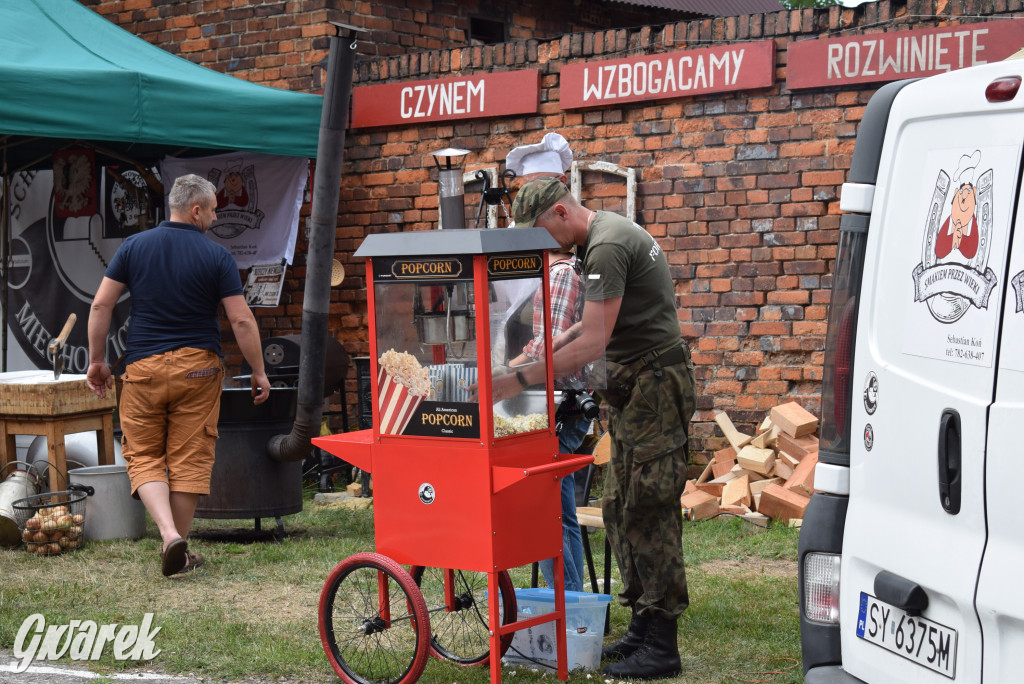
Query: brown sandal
[174, 557]
[192, 561]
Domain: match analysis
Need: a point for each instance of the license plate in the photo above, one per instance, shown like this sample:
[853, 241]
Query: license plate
[917, 639]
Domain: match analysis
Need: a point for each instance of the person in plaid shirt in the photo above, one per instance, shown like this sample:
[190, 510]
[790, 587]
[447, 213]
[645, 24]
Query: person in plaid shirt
[566, 309]
[550, 158]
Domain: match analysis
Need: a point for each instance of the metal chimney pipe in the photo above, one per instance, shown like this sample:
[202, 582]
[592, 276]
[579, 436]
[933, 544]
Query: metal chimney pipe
[330, 149]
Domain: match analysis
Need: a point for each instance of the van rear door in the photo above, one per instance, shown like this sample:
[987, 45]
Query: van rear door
[924, 374]
[1000, 600]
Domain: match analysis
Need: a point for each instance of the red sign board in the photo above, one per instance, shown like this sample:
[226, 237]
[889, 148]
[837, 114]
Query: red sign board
[446, 99]
[879, 57]
[740, 66]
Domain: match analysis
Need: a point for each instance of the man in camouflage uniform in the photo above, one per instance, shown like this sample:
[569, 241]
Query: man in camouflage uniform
[629, 318]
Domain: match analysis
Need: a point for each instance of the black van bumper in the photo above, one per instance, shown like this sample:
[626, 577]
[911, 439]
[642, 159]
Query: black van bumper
[830, 674]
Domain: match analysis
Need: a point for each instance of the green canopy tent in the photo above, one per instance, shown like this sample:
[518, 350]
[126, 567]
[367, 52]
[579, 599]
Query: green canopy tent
[68, 74]
[71, 79]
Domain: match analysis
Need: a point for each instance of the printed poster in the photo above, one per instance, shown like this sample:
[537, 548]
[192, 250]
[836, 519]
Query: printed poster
[258, 201]
[965, 209]
[264, 284]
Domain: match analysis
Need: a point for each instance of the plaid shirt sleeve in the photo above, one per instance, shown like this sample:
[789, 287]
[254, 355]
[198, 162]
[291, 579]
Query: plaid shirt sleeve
[566, 306]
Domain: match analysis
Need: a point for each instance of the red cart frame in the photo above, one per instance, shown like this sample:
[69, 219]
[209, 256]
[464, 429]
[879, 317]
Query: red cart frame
[480, 504]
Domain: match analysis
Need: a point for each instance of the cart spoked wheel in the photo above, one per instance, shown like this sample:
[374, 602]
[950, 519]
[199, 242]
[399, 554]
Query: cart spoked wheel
[460, 630]
[374, 624]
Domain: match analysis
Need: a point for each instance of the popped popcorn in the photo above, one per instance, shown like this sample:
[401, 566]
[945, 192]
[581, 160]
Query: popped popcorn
[516, 424]
[406, 370]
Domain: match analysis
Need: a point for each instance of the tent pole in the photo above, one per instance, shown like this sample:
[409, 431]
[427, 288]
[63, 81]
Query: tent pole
[5, 258]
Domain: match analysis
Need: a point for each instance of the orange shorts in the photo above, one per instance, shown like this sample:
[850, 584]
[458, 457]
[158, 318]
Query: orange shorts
[169, 408]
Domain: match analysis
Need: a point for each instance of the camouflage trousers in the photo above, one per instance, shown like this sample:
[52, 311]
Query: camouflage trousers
[645, 478]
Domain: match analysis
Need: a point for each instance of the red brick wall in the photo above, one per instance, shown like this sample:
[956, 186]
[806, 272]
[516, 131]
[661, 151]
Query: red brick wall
[277, 43]
[741, 189]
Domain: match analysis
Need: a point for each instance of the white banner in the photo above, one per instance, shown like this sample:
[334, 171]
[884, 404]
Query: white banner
[258, 201]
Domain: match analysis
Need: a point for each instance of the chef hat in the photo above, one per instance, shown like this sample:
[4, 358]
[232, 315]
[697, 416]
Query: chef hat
[550, 155]
[965, 169]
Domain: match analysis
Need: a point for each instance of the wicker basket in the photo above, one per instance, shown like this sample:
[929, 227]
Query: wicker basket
[51, 523]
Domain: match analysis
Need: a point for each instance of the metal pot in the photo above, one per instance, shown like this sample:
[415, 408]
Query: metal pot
[110, 510]
[246, 482]
[462, 326]
[525, 403]
[20, 485]
[432, 328]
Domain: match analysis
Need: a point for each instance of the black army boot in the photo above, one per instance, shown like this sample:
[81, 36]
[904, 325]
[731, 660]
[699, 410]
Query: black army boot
[630, 641]
[657, 656]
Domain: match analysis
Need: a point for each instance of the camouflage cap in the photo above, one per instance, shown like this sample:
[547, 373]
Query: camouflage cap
[536, 197]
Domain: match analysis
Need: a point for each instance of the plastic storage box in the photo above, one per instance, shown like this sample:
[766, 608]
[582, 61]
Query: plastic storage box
[584, 627]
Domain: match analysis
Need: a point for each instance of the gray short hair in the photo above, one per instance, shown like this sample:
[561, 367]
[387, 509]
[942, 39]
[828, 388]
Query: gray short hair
[188, 191]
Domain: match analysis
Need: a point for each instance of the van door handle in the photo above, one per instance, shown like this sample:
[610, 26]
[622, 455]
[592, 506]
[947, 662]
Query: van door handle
[901, 592]
[949, 461]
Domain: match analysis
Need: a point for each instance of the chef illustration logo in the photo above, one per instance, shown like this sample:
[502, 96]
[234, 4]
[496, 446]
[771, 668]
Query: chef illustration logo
[871, 393]
[953, 274]
[128, 208]
[426, 493]
[237, 199]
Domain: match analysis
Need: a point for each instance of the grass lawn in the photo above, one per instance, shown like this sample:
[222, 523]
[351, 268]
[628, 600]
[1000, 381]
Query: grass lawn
[251, 611]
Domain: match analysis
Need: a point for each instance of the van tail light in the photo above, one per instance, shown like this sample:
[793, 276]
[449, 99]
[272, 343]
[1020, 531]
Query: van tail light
[821, 587]
[843, 363]
[837, 380]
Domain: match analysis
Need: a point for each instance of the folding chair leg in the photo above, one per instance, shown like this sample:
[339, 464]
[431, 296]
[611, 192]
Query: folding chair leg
[607, 582]
[590, 559]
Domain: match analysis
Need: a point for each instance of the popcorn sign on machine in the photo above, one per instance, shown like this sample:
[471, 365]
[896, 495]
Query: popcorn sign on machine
[464, 487]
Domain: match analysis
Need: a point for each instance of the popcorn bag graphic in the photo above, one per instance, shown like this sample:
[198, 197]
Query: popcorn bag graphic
[463, 378]
[450, 382]
[402, 383]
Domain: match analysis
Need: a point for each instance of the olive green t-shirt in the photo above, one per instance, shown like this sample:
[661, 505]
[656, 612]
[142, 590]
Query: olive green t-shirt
[624, 260]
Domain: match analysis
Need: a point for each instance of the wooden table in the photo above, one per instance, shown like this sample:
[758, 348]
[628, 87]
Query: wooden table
[33, 403]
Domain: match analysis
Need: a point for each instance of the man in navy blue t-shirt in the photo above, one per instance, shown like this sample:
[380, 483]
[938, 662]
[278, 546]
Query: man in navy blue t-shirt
[170, 403]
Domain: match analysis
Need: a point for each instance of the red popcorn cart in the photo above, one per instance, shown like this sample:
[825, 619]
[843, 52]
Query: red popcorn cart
[464, 487]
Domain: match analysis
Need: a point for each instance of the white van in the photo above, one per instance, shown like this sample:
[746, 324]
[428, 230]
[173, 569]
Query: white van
[910, 555]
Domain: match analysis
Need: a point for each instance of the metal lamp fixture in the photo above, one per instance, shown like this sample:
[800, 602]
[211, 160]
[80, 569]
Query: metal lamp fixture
[452, 204]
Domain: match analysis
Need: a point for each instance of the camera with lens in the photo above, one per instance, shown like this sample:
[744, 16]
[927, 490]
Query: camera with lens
[575, 397]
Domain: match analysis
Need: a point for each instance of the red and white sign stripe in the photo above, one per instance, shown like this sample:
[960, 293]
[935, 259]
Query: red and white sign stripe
[396, 405]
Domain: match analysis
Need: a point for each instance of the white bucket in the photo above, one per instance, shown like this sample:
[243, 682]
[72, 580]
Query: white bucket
[111, 512]
[79, 447]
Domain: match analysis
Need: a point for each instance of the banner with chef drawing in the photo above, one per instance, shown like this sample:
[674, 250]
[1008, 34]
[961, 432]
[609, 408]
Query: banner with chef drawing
[258, 201]
[965, 217]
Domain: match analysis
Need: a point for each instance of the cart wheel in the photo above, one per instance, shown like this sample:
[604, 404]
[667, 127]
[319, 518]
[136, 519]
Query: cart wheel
[373, 621]
[460, 632]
